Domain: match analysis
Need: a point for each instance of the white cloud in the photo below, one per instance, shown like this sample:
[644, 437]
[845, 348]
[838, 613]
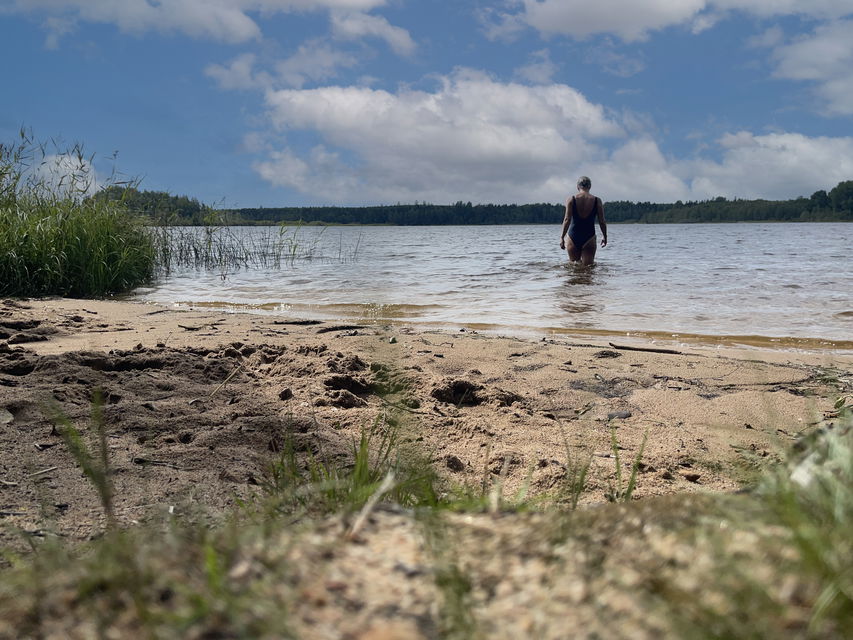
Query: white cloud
[819, 9]
[638, 170]
[777, 165]
[238, 74]
[225, 20]
[629, 19]
[354, 26]
[824, 57]
[499, 25]
[618, 64]
[472, 138]
[57, 26]
[66, 174]
[769, 38]
[633, 20]
[539, 70]
[315, 60]
[477, 139]
[216, 19]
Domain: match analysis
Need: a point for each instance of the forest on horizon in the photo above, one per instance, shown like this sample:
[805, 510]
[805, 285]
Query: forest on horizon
[822, 206]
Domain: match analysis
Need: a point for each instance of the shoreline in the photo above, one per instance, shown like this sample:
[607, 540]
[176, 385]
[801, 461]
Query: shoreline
[663, 338]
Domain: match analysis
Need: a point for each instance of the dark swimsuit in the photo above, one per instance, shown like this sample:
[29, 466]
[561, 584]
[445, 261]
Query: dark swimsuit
[582, 229]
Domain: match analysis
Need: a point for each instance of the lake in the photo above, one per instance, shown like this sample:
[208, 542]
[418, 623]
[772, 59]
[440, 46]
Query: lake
[783, 284]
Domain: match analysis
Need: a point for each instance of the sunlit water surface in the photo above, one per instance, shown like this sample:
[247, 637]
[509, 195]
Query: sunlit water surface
[740, 283]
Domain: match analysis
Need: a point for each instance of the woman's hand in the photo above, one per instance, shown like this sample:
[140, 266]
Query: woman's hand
[604, 242]
[562, 243]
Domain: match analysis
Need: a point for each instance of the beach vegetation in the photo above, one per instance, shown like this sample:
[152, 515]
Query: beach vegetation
[54, 240]
[218, 246]
[378, 467]
[620, 490]
[774, 561]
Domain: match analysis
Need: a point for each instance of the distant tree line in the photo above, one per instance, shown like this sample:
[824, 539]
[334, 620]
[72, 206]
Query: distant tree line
[162, 207]
[836, 205]
[411, 214]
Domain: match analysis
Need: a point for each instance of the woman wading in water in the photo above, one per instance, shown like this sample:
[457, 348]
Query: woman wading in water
[582, 209]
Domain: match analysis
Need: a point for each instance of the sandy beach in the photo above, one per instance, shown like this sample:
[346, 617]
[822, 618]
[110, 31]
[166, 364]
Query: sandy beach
[206, 397]
[197, 403]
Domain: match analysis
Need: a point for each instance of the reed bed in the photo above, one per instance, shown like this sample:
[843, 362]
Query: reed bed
[218, 247]
[54, 239]
[73, 249]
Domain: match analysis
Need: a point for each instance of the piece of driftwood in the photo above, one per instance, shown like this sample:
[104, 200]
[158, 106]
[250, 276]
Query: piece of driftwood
[297, 322]
[340, 327]
[649, 349]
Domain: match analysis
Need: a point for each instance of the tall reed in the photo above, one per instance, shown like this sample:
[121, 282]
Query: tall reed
[216, 246]
[54, 239]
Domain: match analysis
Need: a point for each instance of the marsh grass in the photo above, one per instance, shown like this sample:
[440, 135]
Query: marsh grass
[56, 241]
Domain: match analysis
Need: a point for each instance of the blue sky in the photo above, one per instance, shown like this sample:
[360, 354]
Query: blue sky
[317, 102]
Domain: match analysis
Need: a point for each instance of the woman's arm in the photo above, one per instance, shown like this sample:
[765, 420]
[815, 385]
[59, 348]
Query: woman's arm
[601, 222]
[566, 220]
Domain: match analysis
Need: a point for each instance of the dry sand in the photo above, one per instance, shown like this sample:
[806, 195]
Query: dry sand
[197, 403]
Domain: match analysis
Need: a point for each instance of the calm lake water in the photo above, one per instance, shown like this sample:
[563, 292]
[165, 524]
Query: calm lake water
[737, 283]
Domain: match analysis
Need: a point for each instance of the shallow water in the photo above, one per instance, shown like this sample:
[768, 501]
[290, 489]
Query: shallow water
[741, 282]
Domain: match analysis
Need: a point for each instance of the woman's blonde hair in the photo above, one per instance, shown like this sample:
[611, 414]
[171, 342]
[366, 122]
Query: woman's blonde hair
[584, 183]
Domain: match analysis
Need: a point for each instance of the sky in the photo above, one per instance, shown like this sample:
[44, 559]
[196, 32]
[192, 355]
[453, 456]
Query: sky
[247, 103]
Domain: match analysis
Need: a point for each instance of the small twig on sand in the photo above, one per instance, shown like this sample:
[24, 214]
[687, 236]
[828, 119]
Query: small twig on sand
[649, 349]
[384, 488]
[7, 483]
[226, 381]
[42, 472]
[156, 463]
[486, 468]
[340, 327]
